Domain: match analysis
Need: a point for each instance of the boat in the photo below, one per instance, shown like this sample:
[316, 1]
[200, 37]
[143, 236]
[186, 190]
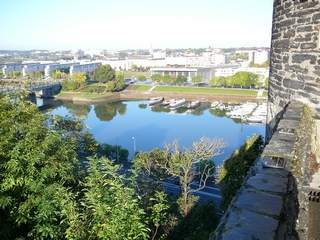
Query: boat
[193, 104]
[255, 119]
[167, 102]
[214, 104]
[156, 100]
[177, 103]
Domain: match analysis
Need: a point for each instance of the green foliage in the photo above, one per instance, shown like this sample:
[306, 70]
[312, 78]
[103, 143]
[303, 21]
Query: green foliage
[159, 211]
[240, 79]
[36, 167]
[235, 169]
[156, 78]
[14, 74]
[106, 112]
[36, 75]
[116, 153]
[181, 79]
[197, 79]
[58, 74]
[104, 74]
[112, 211]
[198, 225]
[76, 81]
[142, 78]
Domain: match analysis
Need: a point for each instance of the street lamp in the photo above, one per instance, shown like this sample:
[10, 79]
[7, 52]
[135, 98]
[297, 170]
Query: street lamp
[134, 145]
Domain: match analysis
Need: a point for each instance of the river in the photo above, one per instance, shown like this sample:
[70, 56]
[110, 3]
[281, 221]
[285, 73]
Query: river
[136, 126]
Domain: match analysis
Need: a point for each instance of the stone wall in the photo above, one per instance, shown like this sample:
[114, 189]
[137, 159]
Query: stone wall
[295, 56]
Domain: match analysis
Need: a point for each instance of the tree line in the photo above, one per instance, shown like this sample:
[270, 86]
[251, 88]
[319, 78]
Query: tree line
[104, 74]
[238, 80]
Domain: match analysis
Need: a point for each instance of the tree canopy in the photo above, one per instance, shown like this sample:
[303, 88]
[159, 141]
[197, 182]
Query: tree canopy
[104, 73]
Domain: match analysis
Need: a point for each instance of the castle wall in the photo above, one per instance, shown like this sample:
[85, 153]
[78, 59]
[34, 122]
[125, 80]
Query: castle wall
[295, 56]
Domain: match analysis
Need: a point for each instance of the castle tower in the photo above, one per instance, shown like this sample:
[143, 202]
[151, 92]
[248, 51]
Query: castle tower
[295, 56]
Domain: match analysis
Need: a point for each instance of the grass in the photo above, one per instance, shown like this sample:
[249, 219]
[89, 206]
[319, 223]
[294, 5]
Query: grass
[207, 90]
[140, 87]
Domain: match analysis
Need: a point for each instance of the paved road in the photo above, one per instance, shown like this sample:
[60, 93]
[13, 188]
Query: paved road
[206, 194]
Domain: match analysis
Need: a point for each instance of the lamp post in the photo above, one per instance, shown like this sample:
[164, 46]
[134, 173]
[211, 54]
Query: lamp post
[134, 145]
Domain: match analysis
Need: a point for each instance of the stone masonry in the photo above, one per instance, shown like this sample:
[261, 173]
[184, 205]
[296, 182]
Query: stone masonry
[295, 56]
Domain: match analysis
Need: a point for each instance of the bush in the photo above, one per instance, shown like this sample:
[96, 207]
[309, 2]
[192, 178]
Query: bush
[234, 169]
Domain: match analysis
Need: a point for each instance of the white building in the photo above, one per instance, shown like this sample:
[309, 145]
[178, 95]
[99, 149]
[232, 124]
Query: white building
[218, 59]
[63, 66]
[226, 70]
[88, 68]
[32, 67]
[188, 72]
[260, 57]
[9, 68]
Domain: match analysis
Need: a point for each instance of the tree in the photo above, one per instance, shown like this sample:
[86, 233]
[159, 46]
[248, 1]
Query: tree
[181, 79]
[75, 81]
[57, 74]
[104, 74]
[168, 79]
[159, 212]
[156, 78]
[197, 79]
[36, 75]
[218, 82]
[14, 74]
[111, 209]
[36, 169]
[142, 77]
[191, 164]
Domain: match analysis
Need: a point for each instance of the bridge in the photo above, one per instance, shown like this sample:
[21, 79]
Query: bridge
[44, 88]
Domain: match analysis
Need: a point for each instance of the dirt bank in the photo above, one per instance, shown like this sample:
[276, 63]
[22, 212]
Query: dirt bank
[140, 95]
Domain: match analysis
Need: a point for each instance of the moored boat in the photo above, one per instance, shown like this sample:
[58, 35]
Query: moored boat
[193, 104]
[177, 103]
[155, 100]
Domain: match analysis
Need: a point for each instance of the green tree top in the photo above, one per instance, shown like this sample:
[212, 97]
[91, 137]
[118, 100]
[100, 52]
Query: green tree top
[104, 73]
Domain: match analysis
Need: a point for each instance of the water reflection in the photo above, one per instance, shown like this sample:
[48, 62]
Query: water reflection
[117, 123]
[79, 110]
[107, 111]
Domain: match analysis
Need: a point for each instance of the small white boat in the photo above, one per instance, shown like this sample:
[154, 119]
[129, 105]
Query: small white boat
[177, 103]
[214, 104]
[156, 100]
[167, 102]
[193, 104]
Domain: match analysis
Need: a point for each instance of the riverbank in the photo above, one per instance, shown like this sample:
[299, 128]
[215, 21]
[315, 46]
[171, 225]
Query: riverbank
[146, 92]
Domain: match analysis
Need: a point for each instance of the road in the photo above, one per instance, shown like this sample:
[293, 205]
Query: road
[206, 194]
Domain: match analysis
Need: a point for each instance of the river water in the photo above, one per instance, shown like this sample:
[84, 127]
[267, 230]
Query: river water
[136, 126]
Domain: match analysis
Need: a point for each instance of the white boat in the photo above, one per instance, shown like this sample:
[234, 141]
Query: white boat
[155, 100]
[177, 103]
[194, 104]
[256, 119]
[214, 104]
[167, 102]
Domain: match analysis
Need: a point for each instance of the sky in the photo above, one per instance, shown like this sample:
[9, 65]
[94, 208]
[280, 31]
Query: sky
[132, 24]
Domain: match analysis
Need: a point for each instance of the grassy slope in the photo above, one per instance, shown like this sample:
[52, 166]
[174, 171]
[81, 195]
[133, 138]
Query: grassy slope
[139, 87]
[217, 91]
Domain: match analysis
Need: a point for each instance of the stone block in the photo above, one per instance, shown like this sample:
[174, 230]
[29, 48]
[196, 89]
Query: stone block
[260, 202]
[268, 183]
[246, 225]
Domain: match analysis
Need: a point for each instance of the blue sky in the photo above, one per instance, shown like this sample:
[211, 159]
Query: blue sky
[121, 24]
